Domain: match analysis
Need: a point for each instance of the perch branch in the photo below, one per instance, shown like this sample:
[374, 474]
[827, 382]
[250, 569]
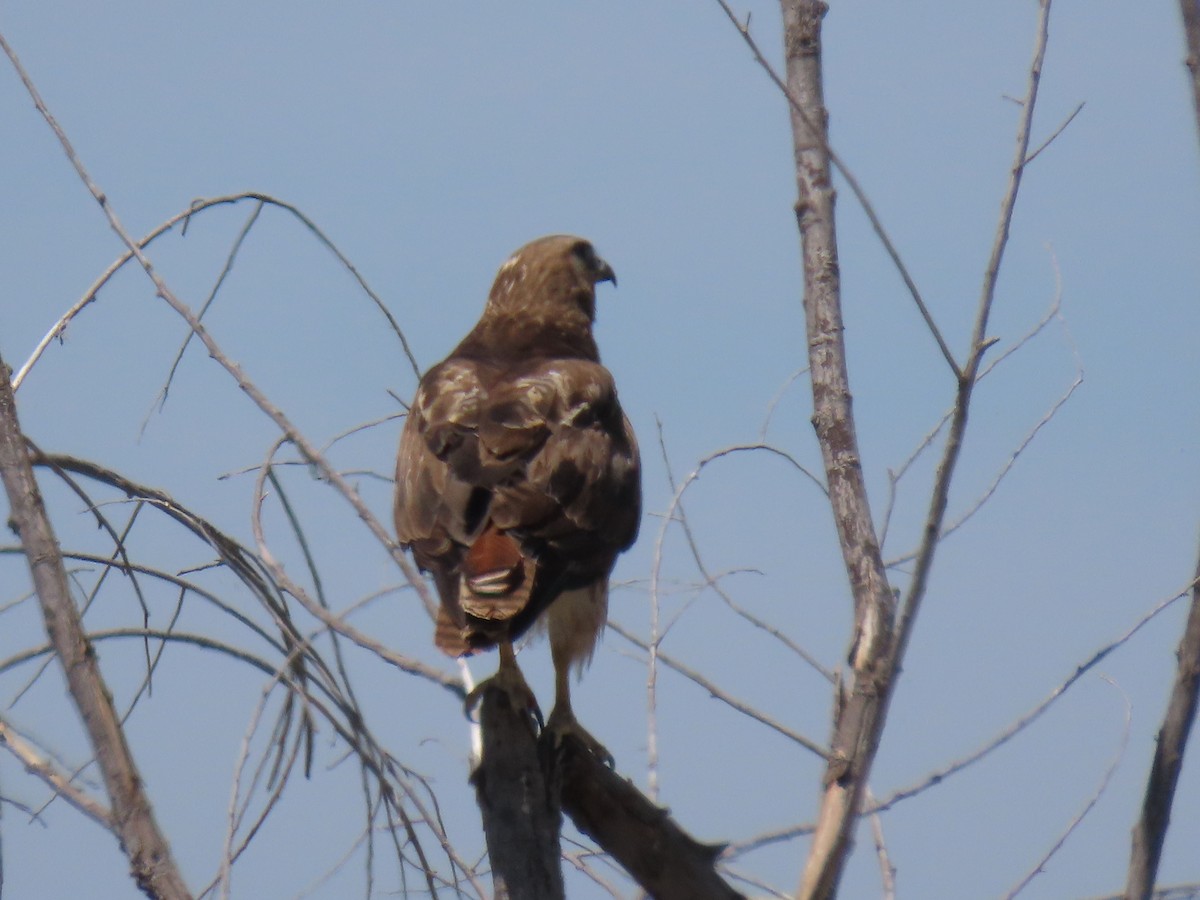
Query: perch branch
[664, 860]
[520, 810]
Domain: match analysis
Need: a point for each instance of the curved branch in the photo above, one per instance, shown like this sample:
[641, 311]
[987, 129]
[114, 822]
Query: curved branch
[184, 217]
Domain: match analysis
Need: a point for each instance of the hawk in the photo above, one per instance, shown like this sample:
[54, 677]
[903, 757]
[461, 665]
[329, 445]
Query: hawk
[518, 477]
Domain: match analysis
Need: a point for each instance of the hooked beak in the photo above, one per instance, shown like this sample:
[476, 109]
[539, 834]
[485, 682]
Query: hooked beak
[603, 272]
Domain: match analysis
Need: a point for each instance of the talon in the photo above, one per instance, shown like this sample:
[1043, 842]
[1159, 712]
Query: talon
[509, 681]
[472, 701]
[563, 725]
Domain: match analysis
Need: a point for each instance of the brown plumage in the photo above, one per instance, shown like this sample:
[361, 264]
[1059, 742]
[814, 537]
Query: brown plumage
[518, 481]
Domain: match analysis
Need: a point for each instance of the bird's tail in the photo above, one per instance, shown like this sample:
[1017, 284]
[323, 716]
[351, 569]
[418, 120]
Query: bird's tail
[496, 578]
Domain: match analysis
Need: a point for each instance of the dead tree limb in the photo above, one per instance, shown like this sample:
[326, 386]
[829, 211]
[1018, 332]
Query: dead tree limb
[863, 709]
[521, 817]
[1190, 10]
[1151, 828]
[661, 857]
[151, 863]
[523, 788]
[879, 641]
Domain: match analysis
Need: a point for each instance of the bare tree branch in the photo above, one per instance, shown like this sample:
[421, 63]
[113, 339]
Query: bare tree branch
[1039, 867]
[520, 808]
[161, 400]
[979, 346]
[1053, 312]
[39, 765]
[255, 572]
[289, 430]
[151, 863]
[887, 871]
[766, 839]
[709, 580]
[667, 862]
[861, 712]
[1030, 717]
[1151, 827]
[1190, 10]
[821, 140]
[879, 642]
[60, 326]
[1054, 134]
[719, 693]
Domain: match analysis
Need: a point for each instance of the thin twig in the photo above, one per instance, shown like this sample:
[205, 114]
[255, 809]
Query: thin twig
[1053, 312]
[1088, 806]
[152, 866]
[234, 814]
[774, 402]
[1030, 717]
[293, 434]
[1004, 469]
[161, 400]
[720, 694]
[652, 653]
[859, 193]
[331, 619]
[1054, 134]
[979, 345]
[714, 583]
[60, 326]
[887, 871]
[254, 572]
[765, 839]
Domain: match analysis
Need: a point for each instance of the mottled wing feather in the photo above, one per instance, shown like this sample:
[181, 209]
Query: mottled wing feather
[539, 451]
[577, 504]
[431, 506]
[580, 484]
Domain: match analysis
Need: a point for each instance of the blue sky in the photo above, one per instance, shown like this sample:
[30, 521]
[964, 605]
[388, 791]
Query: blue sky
[429, 141]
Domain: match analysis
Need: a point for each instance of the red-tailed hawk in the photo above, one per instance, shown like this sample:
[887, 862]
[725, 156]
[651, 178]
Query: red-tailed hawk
[518, 479]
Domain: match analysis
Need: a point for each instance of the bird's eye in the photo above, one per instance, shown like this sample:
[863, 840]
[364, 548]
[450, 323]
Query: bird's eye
[585, 254]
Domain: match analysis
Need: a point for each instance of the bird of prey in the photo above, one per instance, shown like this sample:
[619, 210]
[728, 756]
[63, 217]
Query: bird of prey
[518, 477]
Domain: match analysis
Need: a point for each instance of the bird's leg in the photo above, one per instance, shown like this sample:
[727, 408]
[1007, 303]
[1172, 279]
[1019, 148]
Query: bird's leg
[509, 680]
[562, 721]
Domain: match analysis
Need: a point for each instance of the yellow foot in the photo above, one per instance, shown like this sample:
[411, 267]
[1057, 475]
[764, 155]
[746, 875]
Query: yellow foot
[510, 682]
[562, 725]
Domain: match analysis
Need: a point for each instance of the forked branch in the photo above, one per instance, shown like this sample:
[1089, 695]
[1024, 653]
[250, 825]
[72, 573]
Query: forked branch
[862, 710]
[878, 643]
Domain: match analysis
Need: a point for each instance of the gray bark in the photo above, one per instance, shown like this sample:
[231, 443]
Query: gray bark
[151, 863]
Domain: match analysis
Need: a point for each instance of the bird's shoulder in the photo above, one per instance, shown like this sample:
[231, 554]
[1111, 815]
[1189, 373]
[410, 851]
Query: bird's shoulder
[472, 393]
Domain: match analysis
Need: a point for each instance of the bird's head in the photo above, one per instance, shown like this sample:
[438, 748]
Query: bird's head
[552, 278]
